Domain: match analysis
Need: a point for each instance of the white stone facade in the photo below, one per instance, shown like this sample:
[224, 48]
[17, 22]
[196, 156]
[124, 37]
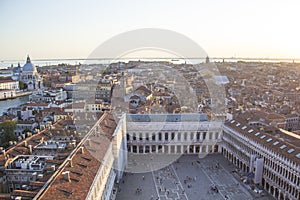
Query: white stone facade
[281, 175]
[174, 137]
[188, 134]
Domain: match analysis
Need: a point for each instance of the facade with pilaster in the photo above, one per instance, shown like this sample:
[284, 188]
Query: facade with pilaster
[245, 146]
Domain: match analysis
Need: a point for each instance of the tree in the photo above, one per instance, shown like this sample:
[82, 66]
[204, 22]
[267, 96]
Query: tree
[106, 72]
[26, 130]
[22, 85]
[7, 132]
[34, 112]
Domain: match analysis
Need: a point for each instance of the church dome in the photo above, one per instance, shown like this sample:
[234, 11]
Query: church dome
[28, 67]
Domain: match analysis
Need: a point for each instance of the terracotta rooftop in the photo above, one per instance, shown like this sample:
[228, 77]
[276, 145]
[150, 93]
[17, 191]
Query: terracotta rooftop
[6, 117]
[143, 91]
[79, 105]
[7, 80]
[86, 161]
[23, 193]
[55, 110]
[36, 104]
[25, 122]
[282, 144]
[262, 116]
[22, 149]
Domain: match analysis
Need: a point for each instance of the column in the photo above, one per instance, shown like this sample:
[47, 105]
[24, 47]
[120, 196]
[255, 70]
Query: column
[214, 136]
[201, 136]
[144, 149]
[137, 148]
[194, 150]
[188, 136]
[195, 136]
[175, 148]
[156, 148]
[163, 148]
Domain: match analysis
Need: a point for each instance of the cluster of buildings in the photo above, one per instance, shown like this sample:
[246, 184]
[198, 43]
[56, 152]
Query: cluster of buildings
[28, 75]
[272, 94]
[8, 88]
[23, 78]
[75, 136]
[60, 162]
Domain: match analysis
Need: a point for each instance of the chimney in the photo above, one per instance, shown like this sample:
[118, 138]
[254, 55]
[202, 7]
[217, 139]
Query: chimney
[66, 176]
[30, 149]
[68, 140]
[42, 140]
[106, 122]
[52, 168]
[70, 162]
[81, 150]
[25, 143]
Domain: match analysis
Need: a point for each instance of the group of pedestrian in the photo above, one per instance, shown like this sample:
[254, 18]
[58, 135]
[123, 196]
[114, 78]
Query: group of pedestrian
[214, 188]
[138, 190]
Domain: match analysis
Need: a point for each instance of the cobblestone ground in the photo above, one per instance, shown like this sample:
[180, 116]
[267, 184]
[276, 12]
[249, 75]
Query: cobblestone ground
[188, 178]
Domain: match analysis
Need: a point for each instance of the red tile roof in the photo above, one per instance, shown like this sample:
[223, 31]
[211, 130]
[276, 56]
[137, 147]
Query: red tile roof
[84, 165]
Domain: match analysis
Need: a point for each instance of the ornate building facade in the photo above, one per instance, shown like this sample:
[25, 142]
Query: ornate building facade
[29, 75]
[102, 156]
[273, 159]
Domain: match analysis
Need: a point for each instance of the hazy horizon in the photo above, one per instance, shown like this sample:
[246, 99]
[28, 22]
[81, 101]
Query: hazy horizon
[100, 58]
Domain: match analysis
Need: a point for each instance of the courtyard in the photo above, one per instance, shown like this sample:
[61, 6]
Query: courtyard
[187, 177]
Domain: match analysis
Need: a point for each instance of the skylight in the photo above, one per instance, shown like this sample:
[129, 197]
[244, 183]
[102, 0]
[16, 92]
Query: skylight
[232, 121]
[263, 136]
[298, 155]
[250, 131]
[269, 140]
[256, 134]
[283, 146]
[275, 143]
[244, 127]
[238, 124]
[291, 150]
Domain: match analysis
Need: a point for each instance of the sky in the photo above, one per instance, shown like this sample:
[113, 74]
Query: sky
[62, 29]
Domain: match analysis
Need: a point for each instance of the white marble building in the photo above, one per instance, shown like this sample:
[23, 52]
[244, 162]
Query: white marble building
[279, 173]
[28, 74]
[172, 134]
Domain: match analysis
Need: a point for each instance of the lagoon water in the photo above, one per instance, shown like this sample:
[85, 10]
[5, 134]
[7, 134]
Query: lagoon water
[8, 63]
[5, 104]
